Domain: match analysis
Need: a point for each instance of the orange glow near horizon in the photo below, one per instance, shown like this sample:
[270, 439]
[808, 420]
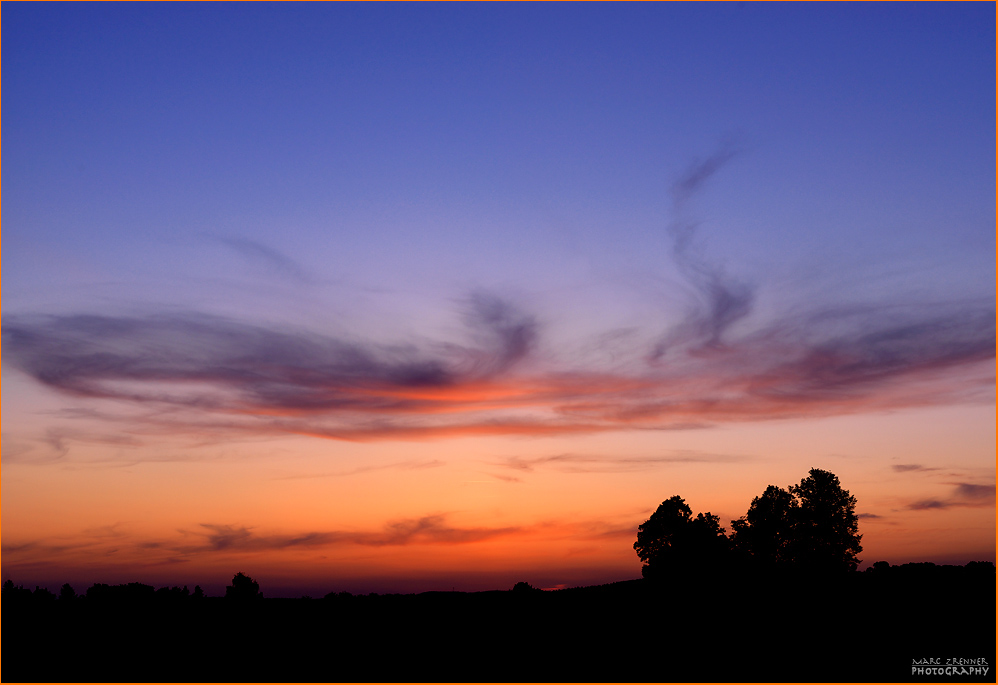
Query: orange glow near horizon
[559, 507]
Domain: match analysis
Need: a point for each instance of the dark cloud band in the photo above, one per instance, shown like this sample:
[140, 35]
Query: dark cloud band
[215, 374]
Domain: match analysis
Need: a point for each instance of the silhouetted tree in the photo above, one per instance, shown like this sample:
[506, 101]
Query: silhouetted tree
[709, 543]
[15, 593]
[341, 596]
[981, 567]
[172, 594]
[98, 591]
[827, 537]
[765, 535]
[43, 594]
[811, 527]
[523, 587]
[243, 588]
[67, 592]
[673, 542]
[129, 593]
[658, 544]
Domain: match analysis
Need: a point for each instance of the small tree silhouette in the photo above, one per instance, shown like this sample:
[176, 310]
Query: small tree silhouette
[525, 587]
[42, 594]
[243, 588]
[673, 542]
[15, 593]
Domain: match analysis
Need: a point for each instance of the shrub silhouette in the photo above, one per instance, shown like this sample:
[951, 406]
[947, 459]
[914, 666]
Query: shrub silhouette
[243, 588]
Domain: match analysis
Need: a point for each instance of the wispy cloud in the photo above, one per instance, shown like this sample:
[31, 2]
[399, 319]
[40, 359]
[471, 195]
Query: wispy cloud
[92, 541]
[212, 538]
[506, 478]
[975, 492]
[583, 463]
[905, 468]
[431, 530]
[716, 300]
[206, 374]
[962, 495]
[505, 333]
[204, 549]
[410, 465]
[269, 258]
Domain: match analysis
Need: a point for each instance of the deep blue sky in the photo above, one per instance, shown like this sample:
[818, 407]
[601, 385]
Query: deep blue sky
[361, 133]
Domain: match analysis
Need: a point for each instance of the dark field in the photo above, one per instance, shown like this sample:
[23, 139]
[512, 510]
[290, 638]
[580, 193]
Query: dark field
[863, 627]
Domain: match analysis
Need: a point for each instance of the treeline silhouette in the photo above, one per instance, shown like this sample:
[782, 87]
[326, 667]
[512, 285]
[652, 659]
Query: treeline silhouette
[914, 575]
[243, 587]
[777, 600]
[859, 627]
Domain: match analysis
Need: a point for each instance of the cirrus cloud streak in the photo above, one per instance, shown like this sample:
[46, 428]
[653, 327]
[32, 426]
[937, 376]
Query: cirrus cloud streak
[204, 374]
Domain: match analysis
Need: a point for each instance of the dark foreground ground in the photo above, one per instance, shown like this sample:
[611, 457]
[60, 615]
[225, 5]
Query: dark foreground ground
[867, 627]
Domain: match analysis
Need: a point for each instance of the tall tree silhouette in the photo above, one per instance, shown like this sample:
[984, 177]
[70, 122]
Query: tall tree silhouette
[811, 527]
[827, 537]
[672, 542]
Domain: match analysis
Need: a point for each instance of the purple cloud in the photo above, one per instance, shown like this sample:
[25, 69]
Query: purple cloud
[963, 495]
[207, 375]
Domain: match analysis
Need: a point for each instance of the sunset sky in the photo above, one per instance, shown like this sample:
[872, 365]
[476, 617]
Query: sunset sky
[405, 297]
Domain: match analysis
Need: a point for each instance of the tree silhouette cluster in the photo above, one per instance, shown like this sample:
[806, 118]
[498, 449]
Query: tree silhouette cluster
[128, 593]
[807, 528]
[243, 588]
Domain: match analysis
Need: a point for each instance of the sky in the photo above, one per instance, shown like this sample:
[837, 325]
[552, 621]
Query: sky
[404, 297]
